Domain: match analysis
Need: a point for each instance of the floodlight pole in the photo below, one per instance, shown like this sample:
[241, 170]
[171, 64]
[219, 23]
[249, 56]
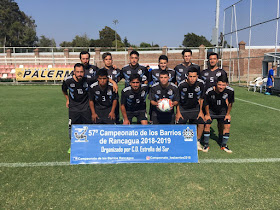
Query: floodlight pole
[116, 22]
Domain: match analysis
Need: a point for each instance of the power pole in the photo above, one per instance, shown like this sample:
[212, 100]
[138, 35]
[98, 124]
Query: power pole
[215, 32]
[116, 22]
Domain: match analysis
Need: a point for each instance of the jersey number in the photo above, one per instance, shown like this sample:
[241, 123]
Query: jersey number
[219, 102]
[211, 79]
[103, 98]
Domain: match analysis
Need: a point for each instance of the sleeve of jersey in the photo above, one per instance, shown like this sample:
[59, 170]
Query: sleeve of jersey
[206, 99]
[123, 99]
[121, 74]
[152, 95]
[176, 95]
[115, 96]
[202, 95]
[64, 87]
[231, 97]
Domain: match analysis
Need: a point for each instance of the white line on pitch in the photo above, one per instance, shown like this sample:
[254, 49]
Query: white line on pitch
[250, 102]
[42, 164]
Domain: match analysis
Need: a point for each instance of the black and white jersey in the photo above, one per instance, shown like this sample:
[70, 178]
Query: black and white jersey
[171, 92]
[102, 98]
[114, 74]
[78, 93]
[134, 100]
[138, 69]
[181, 71]
[218, 101]
[190, 94]
[154, 75]
[90, 71]
[211, 77]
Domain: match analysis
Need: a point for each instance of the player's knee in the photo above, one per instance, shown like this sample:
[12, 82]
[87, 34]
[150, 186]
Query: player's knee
[226, 122]
[208, 122]
[200, 121]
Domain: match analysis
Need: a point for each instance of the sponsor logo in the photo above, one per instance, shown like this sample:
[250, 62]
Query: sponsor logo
[206, 74]
[131, 96]
[128, 72]
[109, 92]
[80, 134]
[190, 95]
[72, 85]
[158, 92]
[80, 91]
[181, 70]
[185, 89]
[225, 96]
[188, 134]
[97, 92]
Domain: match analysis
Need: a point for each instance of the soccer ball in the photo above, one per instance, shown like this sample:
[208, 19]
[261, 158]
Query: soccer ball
[164, 105]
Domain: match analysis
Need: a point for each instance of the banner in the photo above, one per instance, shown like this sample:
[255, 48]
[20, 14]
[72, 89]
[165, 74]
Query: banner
[94, 144]
[23, 74]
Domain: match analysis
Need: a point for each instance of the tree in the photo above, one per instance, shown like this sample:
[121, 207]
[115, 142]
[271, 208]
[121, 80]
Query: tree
[193, 40]
[16, 28]
[65, 44]
[107, 35]
[46, 42]
[81, 41]
[125, 42]
[144, 44]
[120, 43]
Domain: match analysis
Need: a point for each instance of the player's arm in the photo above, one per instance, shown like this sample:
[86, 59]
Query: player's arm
[112, 113]
[178, 114]
[125, 118]
[152, 97]
[115, 86]
[94, 116]
[65, 93]
[230, 101]
[206, 102]
[200, 114]
[176, 98]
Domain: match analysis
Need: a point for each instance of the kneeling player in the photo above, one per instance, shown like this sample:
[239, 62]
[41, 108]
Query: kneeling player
[102, 99]
[218, 104]
[133, 101]
[191, 101]
[160, 90]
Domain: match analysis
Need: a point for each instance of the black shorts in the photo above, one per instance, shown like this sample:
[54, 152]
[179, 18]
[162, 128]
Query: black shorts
[103, 115]
[140, 115]
[219, 116]
[163, 117]
[190, 116]
[79, 117]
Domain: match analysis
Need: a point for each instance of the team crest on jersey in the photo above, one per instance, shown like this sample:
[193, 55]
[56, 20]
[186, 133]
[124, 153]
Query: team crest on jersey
[206, 74]
[137, 100]
[80, 134]
[91, 71]
[85, 85]
[72, 85]
[188, 134]
[97, 92]
[185, 89]
[197, 89]
[181, 70]
[114, 72]
[109, 92]
[225, 96]
[157, 74]
[140, 72]
[144, 78]
[158, 92]
[170, 92]
[143, 93]
[218, 74]
[131, 96]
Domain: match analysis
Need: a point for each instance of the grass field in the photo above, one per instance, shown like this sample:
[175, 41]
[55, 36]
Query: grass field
[34, 129]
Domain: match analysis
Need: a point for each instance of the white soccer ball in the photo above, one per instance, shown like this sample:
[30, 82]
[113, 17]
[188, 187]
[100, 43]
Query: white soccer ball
[164, 105]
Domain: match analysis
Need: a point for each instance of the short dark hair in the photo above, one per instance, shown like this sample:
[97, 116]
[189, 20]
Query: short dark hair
[164, 72]
[163, 57]
[192, 69]
[83, 53]
[79, 65]
[186, 50]
[134, 52]
[102, 72]
[104, 55]
[223, 78]
[134, 76]
[213, 53]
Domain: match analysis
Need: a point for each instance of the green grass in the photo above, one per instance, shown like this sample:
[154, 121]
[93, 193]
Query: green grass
[34, 128]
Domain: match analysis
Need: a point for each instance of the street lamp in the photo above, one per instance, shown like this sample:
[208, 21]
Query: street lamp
[116, 22]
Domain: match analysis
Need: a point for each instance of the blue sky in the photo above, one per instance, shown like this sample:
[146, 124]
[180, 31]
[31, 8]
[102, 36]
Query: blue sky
[162, 22]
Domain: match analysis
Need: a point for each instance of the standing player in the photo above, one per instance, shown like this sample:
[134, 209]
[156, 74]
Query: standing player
[162, 65]
[134, 68]
[191, 101]
[160, 90]
[183, 68]
[133, 101]
[218, 105]
[77, 97]
[102, 100]
[90, 70]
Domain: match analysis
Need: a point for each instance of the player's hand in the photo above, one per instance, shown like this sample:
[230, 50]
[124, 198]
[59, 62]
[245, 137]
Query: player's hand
[114, 67]
[115, 87]
[126, 122]
[67, 104]
[207, 117]
[94, 116]
[227, 117]
[200, 114]
[178, 117]
[111, 115]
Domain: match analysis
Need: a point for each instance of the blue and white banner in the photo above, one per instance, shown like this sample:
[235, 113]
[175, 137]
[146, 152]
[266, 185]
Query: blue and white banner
[94, 144]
